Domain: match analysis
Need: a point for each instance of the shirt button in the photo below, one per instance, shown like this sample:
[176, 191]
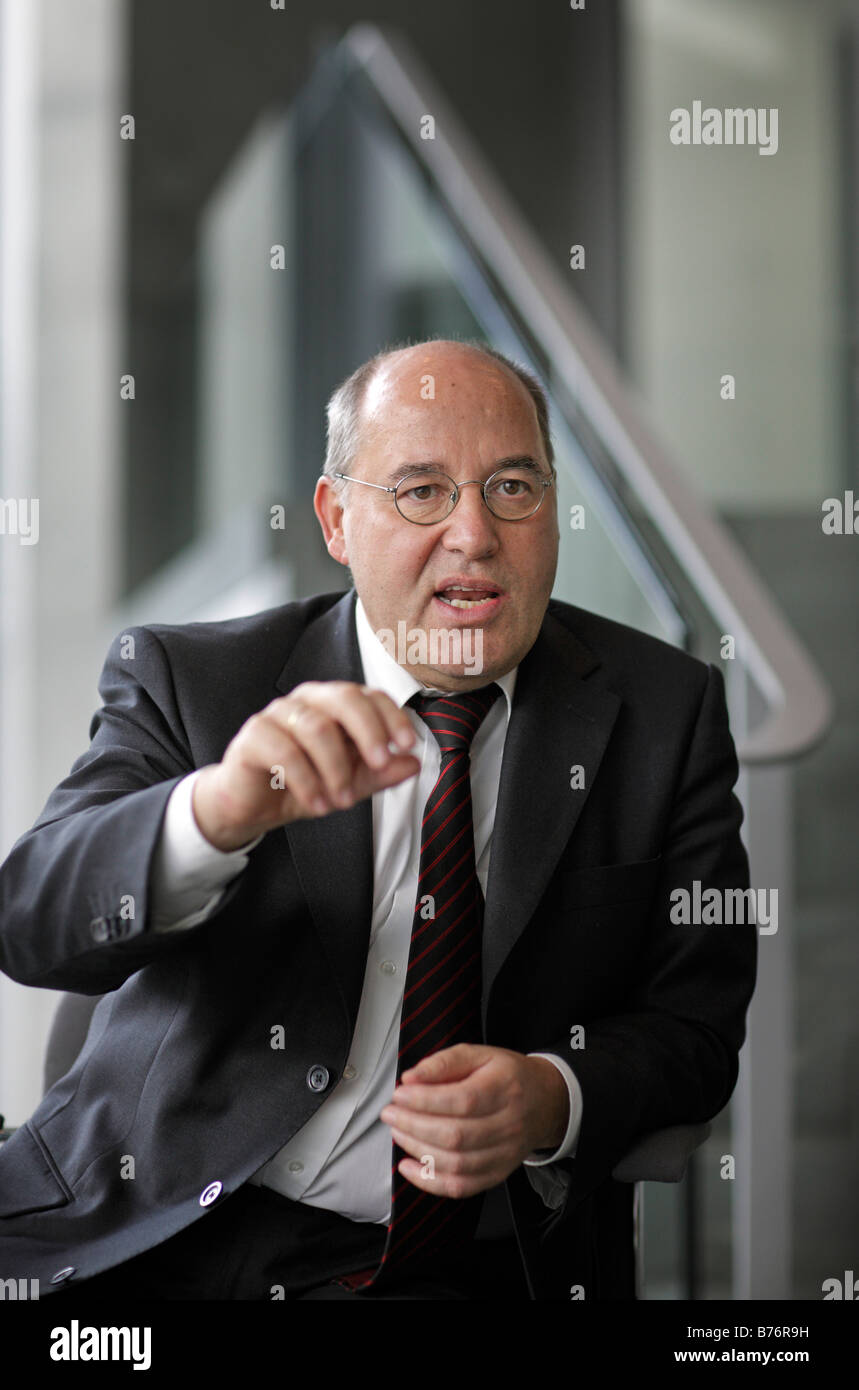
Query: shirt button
[295, 1166]
[388, 967]
[63, 1274]
[99, 929]
[211, 1194]
[349, 1072]
[318, 1078]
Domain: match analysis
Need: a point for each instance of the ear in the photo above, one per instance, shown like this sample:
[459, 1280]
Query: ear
[329, 511]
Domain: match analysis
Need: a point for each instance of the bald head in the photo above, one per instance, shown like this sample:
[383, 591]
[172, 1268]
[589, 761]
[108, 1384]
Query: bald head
[421, 373]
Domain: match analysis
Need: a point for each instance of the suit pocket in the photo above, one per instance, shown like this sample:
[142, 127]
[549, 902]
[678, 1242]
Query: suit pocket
[29, 1178]
[611, 884]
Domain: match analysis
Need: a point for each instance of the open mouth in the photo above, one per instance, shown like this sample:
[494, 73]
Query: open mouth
[469, 597]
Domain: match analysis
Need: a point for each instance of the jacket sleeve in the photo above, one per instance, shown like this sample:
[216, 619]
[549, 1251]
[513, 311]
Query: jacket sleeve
[671, 1056]
[74, 890]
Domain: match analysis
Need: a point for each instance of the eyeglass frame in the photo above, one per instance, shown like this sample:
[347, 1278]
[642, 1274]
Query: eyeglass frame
[507, 467]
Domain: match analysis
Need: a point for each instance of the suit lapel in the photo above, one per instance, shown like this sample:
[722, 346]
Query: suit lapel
[557, 721]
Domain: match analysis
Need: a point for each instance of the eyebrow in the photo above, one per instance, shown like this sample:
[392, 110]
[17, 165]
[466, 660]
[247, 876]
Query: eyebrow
[405, 470]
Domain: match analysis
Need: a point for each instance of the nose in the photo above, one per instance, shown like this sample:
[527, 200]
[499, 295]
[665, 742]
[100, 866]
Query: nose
[471, 528]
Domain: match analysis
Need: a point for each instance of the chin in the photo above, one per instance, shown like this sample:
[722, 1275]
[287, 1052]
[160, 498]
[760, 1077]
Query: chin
[455, 680]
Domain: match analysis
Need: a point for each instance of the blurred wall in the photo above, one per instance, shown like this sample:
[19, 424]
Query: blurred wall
[62, 79]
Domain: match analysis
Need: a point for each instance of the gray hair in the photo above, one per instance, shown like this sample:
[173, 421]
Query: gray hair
[344, 406]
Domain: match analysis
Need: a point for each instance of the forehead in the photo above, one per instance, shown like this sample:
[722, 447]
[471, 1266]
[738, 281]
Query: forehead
[422, 393]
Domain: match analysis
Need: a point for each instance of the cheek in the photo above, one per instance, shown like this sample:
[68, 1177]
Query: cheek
[537, 555]
[391, 556]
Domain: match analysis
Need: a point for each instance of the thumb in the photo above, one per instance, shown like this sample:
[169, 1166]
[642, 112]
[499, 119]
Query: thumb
[370, 780]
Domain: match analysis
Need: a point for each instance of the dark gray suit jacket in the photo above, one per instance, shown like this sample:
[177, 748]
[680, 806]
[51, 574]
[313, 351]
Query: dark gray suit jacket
[177, 1070]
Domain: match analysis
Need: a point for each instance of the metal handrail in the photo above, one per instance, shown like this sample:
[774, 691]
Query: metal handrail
[799, 705]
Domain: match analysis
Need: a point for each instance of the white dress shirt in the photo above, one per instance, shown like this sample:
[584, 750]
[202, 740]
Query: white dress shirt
[341, 1158]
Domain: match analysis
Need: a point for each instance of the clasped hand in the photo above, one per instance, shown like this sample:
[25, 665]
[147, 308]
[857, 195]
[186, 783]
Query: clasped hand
[476, 1112]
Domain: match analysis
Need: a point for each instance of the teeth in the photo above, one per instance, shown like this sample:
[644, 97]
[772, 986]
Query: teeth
[463, 602]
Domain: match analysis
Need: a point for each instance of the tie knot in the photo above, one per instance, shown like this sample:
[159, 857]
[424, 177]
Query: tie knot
[455, 719]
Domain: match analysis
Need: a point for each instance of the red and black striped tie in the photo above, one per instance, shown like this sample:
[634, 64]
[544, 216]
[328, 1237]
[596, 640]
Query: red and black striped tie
[441, 1001]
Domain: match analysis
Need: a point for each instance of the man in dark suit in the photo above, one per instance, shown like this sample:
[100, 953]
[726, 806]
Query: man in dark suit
[262, 857]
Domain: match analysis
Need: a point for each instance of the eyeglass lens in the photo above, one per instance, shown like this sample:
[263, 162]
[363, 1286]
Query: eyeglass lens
[511, 494]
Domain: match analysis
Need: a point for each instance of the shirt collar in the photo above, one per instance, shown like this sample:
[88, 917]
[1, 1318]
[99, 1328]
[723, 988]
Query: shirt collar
[382, 672]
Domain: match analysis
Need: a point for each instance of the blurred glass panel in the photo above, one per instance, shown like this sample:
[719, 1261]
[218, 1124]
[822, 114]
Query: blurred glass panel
[244, 370]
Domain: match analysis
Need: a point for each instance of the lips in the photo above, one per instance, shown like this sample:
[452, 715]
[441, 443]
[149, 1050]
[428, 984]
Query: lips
[456, 588]
[468, 594]
[466, 598]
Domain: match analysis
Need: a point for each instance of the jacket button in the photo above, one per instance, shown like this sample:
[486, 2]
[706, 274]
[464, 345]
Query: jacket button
[99, 929]
[63, 1274]
[211, 1194]
[318, 1078]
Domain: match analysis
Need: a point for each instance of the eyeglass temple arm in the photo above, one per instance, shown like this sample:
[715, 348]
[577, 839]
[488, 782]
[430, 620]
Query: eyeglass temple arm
[349, 478]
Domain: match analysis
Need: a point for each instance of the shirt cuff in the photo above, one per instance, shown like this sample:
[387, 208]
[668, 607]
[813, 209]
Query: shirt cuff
[569, 1143]
[189, 876]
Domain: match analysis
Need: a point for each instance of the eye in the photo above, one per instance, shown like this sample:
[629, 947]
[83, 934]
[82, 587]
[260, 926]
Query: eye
[423, 492]
[423, 489]
[513, 485]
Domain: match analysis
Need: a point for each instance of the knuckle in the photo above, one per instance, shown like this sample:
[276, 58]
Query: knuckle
[468, 1103]
[453, 1137]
